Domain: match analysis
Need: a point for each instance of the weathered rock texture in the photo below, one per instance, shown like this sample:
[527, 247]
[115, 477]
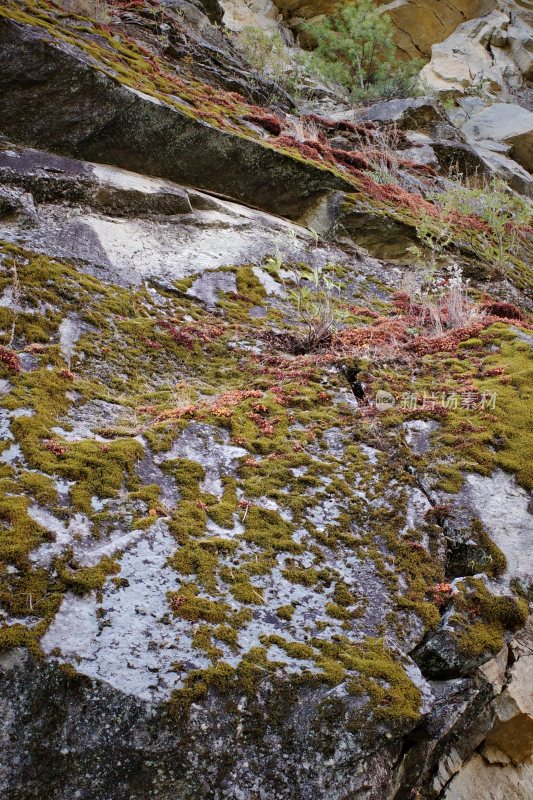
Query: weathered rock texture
[505, 123]
[105, 121]
[242, 556]
[483, 61]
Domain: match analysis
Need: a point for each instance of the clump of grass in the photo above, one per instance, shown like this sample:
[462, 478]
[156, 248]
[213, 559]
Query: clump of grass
[97, 10]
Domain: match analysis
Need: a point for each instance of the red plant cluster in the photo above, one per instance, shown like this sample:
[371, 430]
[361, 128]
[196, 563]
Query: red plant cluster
[222, 407]
[385, 331]
[501, 309]
[469, 221]
[437, 513]
[10, 359]
[297, 369]
[441, 593]
[127, 5]
[359, 311]
[361, 129]
[221, 411]
[314, 150]
[493, 309]
[266, 426]
[322, 151]
[265, 120]
[402, 302]
[396, 331]
[151, 343]
[177, 413]
[210, 117]
[357, 162]
[236, 396]
[54, 447]
[351, 158]
[392, 193]
[282, 395]
[426, 345]
[417, 546]
[147, 410]
[240, 298]
[190, 334]
[67, 375]
[35, 347]
[177, 601]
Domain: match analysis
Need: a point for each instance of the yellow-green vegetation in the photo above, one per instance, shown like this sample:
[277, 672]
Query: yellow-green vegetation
[303, 549]
[384, 680]
[369, 667]
[292, 513]
[485, 618]
[492, 425]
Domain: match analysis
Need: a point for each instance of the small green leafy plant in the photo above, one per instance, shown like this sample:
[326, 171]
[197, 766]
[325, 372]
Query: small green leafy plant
[504, 212]
[270, 59]
[355, 48]
[311, 307]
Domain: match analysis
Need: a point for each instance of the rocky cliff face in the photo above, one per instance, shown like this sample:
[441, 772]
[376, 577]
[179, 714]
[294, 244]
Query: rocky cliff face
[243, 554]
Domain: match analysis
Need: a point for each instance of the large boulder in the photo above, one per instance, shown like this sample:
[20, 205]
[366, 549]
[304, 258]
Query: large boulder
[512, 733]
[100, 214]
[427, 127]
[497, 161]
[262, 14]
[521, 43]
[68, 105]
[466, 58]
[508, 123]
[420, 114]
[480, 780]
[503, 767]
[483, 61]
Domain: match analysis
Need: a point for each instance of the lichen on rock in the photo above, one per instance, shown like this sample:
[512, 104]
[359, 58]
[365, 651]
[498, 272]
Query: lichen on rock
[263, 518]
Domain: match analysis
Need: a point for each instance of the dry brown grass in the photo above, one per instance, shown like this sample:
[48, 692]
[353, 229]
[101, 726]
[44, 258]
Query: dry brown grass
[94, 9]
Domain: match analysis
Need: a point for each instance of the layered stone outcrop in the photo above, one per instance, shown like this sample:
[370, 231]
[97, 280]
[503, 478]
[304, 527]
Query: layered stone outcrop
[507, 123]
[488, 57]
[103, 120]
[242, 554]
[502, 766]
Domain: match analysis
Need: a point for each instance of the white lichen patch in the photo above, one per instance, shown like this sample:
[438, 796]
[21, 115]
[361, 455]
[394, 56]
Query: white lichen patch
[418, 432]
[75, 533]
[502, 507]
[11, 454]
[70, 330]
[207, 287]
[83, 421]
[78, 535]
[269, 284]
[324, 514]
[126, 639]
[209, 447]
[417, 507]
